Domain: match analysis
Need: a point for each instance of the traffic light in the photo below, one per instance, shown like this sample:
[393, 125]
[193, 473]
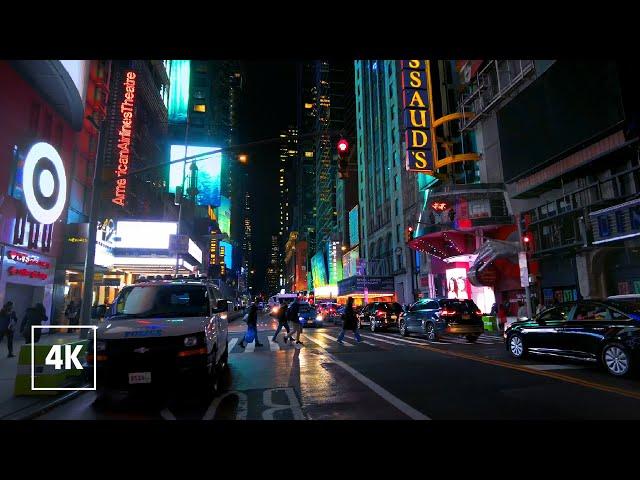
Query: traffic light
[526, 240]
[343, 161]
[408, 234]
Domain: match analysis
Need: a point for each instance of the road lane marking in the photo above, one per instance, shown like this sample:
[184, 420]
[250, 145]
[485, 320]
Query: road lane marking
[166, 414]
[542, 373]
[556, 367]
[250, 348]
[380, 340]
[232, 344]
[403, 340]
[273, 346]
[334, 339]
[293, 405]
[241, 411]
[385, 394]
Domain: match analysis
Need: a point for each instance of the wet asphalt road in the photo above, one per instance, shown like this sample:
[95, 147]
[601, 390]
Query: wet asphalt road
[385, 377]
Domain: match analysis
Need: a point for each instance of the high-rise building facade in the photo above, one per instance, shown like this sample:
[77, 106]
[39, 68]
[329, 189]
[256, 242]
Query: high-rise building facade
[387, 193]
[273, 283]
[288, 157]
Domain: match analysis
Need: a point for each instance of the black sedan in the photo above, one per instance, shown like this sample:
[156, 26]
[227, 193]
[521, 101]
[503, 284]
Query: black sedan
[599, 331]
[380, 315]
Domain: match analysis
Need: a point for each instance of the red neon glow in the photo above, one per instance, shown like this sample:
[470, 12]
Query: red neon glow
[23, 272]
[29, 260]
[526, 239]
[343, 145]
[439, 206]
[125, 134]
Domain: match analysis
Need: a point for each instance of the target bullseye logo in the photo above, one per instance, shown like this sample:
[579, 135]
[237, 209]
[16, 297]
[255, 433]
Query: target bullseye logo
[44, 183]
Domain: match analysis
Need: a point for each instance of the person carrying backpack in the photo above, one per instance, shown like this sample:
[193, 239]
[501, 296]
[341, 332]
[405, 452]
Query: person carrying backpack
[292, 315]
[349, 322]
[283, 321]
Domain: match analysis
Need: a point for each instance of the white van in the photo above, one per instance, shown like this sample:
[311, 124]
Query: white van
[277, 300]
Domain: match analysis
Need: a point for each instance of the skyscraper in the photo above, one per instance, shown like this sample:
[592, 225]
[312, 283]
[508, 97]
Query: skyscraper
[273, 268]
[288, 155]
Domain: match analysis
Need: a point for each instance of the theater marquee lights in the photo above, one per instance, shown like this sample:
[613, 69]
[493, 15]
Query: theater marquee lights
[125, 134]
[418, 116]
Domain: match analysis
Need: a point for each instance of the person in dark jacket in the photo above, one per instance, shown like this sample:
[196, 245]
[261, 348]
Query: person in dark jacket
[349, 322]
[283, 321]
[8, 321]
[36, 315]
[292, 315]
[252, 324]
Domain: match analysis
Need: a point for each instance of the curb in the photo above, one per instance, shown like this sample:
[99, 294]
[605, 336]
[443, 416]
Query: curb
[31, 412]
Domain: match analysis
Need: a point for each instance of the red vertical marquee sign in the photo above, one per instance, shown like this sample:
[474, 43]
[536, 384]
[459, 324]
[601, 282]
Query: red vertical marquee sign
[418, 116]
[125, 135]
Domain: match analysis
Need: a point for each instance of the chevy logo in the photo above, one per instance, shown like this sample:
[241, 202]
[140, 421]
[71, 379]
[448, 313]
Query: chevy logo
[141, 350]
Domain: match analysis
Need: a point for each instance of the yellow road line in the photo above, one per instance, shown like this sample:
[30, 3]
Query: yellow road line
[557, 376]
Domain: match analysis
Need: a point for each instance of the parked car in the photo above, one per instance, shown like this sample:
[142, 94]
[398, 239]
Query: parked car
[605, 332]
[379, 315]
[437, 316]
[327, 309]
[162, 334]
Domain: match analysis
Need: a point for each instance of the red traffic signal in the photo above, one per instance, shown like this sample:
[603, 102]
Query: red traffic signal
[343, 148]
[526, 238]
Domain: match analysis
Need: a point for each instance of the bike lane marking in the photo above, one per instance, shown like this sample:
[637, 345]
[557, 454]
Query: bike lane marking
[405, 408]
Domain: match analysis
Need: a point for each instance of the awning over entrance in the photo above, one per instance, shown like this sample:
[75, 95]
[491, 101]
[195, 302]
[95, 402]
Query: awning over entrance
[375, 286]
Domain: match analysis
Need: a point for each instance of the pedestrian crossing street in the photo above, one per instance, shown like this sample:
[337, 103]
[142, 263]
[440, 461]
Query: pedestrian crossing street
[380, 340]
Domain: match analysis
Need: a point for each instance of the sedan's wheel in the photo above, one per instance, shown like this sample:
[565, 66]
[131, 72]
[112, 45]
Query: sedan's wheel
[616, 359]
[516, 346]
[430, 331]
[403, 328]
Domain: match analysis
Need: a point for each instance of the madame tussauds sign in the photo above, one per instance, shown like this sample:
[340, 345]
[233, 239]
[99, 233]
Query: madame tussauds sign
[124, 142]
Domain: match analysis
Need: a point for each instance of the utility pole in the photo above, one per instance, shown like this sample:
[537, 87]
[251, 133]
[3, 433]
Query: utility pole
[87, 284]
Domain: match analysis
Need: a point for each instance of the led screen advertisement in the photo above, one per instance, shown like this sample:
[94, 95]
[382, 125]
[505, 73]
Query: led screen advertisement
[209, 169]
[179, 76]
[318, 270]
[223, 212]
[334, 263]
[457, 284]
[228, 253]
[353, 227]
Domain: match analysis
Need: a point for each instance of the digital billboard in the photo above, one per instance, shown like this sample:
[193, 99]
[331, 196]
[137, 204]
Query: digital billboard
[179, 76]
[350, 263]
[457, 283]
[228, 253]
[223, 212]
[138, 234]
[354, 238]
[334, 262]
[208, 172]
[318, 270]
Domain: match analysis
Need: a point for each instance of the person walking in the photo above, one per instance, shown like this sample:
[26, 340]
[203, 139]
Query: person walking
[283, 321]
[292, 315]
[8, 322]
[35, 315]
[349, 322]
[252, 326]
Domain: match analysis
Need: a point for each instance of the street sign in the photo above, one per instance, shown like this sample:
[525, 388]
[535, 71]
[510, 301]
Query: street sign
[178, 244]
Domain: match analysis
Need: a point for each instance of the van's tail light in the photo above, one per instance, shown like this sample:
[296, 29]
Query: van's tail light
[381, 313]
[447, 313]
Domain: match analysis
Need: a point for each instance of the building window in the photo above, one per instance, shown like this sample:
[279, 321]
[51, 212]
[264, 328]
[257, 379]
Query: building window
[397, 207]
[390, 91]
[620, 222]
[201, 107]
[603, 226]
[198, 94]
[634, 215]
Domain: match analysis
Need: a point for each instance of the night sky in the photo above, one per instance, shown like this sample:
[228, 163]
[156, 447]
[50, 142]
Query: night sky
[268, 106]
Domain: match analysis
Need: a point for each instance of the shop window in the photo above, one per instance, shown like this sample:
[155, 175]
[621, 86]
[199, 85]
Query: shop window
[200, 108]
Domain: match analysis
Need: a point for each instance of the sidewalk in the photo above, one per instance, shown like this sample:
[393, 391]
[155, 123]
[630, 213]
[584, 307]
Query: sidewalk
[11, 406]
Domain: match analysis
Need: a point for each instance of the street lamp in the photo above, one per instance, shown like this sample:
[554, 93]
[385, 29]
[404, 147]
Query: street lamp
[243, 158]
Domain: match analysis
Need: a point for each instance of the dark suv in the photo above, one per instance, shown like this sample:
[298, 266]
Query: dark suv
[380, 315]
[434, 317]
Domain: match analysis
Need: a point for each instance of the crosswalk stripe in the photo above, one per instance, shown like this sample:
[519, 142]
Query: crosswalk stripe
[232, 344]
[415, 341]
[273, 345]
[380, 339]
[250, 348]
[334, 339]
[363, 341]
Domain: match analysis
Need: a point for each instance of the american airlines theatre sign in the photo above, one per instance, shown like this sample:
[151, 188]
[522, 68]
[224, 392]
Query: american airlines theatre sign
[127, 107]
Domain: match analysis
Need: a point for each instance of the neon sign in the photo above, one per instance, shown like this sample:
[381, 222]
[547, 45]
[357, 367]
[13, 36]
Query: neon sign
[124, 143]
[439, 206]
[29, 260]
[418, 116]
[23, 272]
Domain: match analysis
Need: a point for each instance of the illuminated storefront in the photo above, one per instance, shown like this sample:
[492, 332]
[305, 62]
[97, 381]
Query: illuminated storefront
[366, 289]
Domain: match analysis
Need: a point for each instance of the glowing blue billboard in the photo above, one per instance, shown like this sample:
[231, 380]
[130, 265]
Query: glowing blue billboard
[179, 76]
[318, 270]
[209, 169]
[223, 212]
[228, 253]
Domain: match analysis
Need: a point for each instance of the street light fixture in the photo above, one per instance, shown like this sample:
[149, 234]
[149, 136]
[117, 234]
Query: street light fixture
[243, 158]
